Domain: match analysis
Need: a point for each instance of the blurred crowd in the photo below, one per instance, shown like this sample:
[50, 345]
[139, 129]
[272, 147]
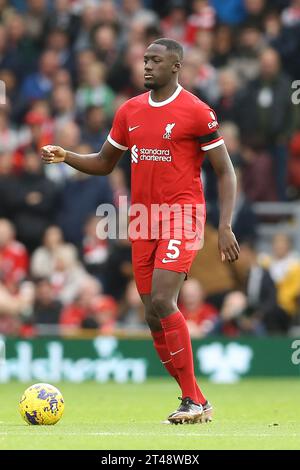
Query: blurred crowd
[67, 66]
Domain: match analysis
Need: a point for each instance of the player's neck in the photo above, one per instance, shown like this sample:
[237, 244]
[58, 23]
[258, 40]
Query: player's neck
[164, 93]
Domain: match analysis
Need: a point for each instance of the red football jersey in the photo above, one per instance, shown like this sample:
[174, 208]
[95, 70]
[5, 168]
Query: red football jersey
[168, 140]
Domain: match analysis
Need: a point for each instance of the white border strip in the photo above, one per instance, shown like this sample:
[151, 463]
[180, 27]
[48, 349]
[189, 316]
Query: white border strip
[157, 104]
[213, 145]
[115, 144]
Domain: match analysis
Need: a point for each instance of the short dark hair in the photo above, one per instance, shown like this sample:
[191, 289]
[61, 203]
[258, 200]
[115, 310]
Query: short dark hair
[171, 45]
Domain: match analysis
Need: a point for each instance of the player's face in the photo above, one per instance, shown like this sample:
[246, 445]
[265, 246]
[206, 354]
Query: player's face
[160, 65]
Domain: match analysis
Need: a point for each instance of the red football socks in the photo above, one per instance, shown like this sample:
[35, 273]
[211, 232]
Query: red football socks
[163, 352]
[201, 397]
[179, 346]
[160, 345]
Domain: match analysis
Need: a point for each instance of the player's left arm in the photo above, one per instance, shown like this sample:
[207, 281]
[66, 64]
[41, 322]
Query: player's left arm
[220, 160]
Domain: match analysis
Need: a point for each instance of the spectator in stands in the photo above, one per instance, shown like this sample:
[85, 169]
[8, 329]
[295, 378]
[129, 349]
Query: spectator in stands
[231, 135]
[294, 162]
[284, 266]
[14, 307]
[3, 45]
[13, 257]
[104, 42]
[68, 274]
[250, 43]
[37, 130]
[244, 221]
[119, 188]
[174, 23]
[94, 128]
[143, 30]
[232, 12]
[11, 92]
[260, 289]
[203, 18]
[63, 78]
[204, 75]
[84, 59]
[136, 83]
[63, 105]
[63, 17]
[94, 91]
[90, 16]
[288, 42]
[68, 137]
[90, 309]
[132, 309]
[20, 52]
[9, 140]
[81, 196]
[36, 16]
[31, 199]
[272, 29]
[229, 321]
[256, 11]
[39, 85]
[223, 46]
[119, 73]
[228, 104]
[266, 120]
[291, 15]
[120, 272]
[46, 308]
[42, 259]
[215, 286]
[6, 165]
[58, 41]
[205, 43]
[133, 11]
[200, 315]
[108, 10]
[95, 247]
[7, 181]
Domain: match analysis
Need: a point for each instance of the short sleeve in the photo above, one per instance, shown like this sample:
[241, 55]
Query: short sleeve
[207, 128]
[118, 133]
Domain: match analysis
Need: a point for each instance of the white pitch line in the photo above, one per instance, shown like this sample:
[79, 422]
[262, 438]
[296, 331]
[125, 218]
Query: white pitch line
[125, 434]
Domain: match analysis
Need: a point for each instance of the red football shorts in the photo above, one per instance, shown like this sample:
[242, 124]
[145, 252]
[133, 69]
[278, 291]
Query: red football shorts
[171, 255]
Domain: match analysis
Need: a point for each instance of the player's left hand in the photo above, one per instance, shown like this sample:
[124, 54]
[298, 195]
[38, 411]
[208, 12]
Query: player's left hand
[228, 246]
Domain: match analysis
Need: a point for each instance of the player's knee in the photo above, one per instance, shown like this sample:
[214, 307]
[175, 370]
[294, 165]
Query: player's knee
[162, 304]
[152, 320]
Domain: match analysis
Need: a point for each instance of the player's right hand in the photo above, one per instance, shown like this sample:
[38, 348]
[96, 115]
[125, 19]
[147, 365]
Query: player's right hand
[53, 154]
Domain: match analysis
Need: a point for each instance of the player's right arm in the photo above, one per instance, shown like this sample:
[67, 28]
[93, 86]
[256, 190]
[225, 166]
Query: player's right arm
[101, 163]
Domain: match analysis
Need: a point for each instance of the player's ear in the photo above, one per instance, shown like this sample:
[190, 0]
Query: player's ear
[176, 66]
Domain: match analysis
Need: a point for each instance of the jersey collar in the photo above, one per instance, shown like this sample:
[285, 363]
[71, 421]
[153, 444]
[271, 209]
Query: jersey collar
[157, 104]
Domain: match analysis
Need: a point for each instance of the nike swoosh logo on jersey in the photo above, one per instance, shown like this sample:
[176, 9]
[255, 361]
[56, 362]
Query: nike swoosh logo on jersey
[176, 352]
[168, 260]
[132, 128]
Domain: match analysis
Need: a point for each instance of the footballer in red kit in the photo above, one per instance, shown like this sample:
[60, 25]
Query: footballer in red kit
[169, 132]
[168, 141]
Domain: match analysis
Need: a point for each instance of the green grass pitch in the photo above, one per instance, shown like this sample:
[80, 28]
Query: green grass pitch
[253, 414]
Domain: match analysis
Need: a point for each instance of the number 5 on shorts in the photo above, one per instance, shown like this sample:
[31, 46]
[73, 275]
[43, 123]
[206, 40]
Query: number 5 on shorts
[172, 247]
